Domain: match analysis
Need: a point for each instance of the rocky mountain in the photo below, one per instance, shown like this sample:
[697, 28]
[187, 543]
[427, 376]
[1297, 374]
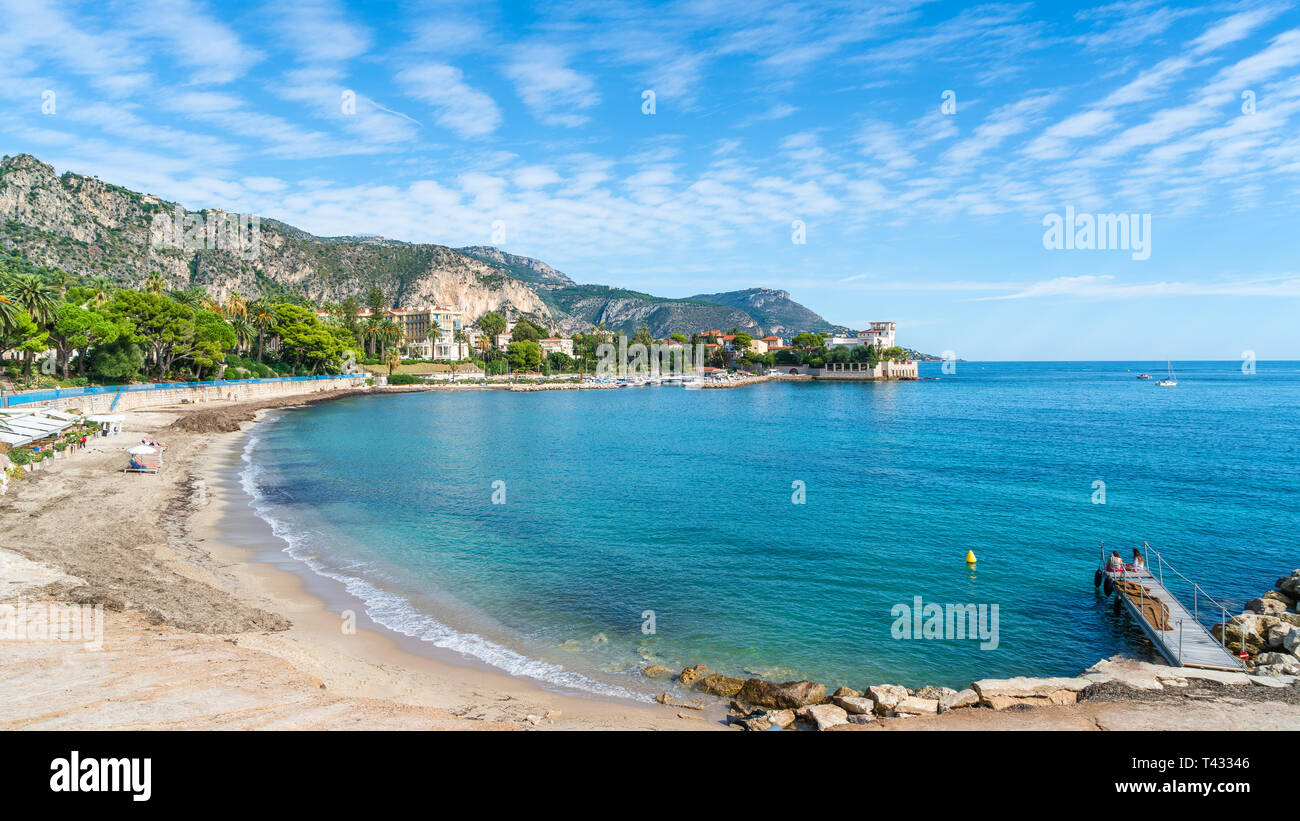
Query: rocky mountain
[624, 311]
[774, 310]
[92, 228]
[524, 269]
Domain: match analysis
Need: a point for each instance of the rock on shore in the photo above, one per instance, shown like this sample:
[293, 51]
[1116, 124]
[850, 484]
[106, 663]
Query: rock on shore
[1268, 631]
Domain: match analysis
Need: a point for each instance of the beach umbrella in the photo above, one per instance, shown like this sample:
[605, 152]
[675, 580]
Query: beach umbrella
[140, 450]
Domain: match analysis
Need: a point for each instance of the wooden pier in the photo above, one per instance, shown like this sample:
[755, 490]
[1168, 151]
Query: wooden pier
[1179, 634]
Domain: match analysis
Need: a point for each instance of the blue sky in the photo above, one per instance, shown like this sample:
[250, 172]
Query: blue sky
[529, 119]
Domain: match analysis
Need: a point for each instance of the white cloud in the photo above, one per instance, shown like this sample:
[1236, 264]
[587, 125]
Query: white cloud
[457, 106]
[553, 92]
[1107, 287]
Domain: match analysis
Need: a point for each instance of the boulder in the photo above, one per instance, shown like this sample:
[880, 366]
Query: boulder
[1277, 634]
[855, 705]
[690, 675]
[1007, 692]
[781, 718]
[673, 701]
[1243, 632]
[886, 697]
[1285, 598]
[845, 691]
[1290, 584]
[965, 698]
[720, 685]
[855, 718]
[756, 722]
[1291, 642]
[787, 695]
[656, 671]
[936, 693]
[1292, 619]
[1266, 606]
[1275, 658]
[914, 706]
[824, 716]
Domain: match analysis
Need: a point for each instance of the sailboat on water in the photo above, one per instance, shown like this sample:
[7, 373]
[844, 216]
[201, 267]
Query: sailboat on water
[1171, 381]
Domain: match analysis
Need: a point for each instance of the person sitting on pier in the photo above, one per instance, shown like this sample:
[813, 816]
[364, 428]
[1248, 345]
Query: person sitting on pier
[1116, 563]
[1138, 562]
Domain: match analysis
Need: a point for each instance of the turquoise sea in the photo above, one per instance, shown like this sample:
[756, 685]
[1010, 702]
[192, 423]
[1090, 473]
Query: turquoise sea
[620, 502]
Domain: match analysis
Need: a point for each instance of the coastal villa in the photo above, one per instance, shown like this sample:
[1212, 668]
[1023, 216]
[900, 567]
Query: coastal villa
[553, 344]
[416, 325]
[880, 334]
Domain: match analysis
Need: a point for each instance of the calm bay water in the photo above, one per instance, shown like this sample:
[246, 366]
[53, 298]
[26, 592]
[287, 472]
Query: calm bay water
[619, 502]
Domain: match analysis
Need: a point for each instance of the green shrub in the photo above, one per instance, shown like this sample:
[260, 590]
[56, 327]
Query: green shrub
[60, 446]
[20, 457]
[403, 379]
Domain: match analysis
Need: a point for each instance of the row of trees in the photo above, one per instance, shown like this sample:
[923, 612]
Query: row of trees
[102, 333]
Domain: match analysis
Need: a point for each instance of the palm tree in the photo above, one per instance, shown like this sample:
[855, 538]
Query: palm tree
[101, 290]
[155, 283]
[64, 279]
[31, 293]
[392, 359]
[8, 311]
[389, 333]
[263, 320]
[432, 337]
[234, 305]
[243, 332]
[35, 296]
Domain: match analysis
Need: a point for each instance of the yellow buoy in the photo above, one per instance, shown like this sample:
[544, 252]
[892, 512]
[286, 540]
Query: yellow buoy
[970, 557]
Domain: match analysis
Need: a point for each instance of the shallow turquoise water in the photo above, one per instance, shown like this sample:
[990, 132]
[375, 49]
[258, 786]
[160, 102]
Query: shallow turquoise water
[680, 502]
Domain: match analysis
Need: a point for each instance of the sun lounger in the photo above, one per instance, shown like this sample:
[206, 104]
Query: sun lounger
[136, 466]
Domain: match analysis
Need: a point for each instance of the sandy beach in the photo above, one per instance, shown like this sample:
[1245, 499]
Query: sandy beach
[199, 634]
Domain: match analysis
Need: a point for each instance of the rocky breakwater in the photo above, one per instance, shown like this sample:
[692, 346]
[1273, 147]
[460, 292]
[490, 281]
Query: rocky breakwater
[758, 704]
[735, 382]
[1268, 630]
[529, 387]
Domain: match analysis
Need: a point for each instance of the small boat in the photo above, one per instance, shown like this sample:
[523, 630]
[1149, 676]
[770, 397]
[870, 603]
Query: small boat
[1172, 381]
[1144, 376]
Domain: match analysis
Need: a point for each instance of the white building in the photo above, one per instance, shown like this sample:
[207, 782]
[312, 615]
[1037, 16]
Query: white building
[880, 334]
[555, 343]
[418, 337]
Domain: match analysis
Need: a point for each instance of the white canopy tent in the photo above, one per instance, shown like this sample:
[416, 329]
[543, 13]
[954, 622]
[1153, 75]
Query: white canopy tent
[19, 426]
[109, 422]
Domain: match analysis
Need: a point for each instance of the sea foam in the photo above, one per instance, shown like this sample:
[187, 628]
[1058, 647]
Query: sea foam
[396, 612]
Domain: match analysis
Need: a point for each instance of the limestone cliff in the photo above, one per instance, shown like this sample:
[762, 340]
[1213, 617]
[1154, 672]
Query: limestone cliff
[92, 228]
